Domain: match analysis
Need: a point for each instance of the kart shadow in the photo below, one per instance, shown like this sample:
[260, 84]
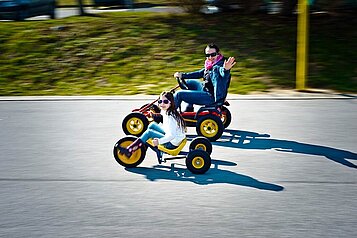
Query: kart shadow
[253, 140]
[213, 176]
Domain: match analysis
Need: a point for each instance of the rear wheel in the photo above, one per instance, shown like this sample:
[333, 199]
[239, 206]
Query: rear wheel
[136, 157]
[135, 124]
[226, 117]
[201, 143]
[198, 161]
[210, 126]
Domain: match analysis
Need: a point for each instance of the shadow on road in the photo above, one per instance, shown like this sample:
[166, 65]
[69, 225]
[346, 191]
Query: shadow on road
[253, 140]
[213, 176]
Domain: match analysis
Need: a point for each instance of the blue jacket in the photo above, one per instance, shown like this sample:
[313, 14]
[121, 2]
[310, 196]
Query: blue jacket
[220, 78]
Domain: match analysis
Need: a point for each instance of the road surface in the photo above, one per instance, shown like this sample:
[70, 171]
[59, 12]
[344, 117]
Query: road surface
[284, 168]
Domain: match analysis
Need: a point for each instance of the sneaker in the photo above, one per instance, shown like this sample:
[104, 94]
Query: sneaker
[124, 151]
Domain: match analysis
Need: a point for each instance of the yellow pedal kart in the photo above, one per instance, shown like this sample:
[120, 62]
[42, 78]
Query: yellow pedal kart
[198, 158]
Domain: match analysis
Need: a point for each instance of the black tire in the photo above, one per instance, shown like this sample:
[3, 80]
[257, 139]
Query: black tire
[198, 161]
[135, 124]
[201, 143]
[226, 117]
[135, 159]
[210, 126]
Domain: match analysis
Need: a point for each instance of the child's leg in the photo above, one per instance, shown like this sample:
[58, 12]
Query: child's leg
[150, 133]
[155, 126]
[153, 131]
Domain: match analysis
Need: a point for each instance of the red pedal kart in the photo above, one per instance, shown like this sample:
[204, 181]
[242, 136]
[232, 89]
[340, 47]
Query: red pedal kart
[210, 120]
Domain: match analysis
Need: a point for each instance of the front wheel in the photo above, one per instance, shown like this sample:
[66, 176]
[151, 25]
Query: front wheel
[210, 126]
[135, 124]
[136, 157]
[198, 161]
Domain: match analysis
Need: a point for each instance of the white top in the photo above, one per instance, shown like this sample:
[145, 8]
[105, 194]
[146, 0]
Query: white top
[173, 132]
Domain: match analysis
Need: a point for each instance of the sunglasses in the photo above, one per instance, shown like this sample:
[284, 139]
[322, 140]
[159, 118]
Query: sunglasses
[165, 101]
[212, 54]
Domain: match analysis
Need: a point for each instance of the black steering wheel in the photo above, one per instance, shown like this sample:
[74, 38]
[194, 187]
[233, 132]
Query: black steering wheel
[182, 83]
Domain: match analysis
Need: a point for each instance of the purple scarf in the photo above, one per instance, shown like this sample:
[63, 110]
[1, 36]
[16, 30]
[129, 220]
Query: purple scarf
[209, 64]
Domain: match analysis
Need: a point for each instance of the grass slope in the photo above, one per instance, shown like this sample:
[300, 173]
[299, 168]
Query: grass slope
[127, 53]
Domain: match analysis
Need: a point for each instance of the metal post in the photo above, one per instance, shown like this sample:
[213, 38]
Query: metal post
[302, 44]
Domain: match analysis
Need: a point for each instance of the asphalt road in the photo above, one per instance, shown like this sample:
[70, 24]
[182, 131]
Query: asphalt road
[284, 168]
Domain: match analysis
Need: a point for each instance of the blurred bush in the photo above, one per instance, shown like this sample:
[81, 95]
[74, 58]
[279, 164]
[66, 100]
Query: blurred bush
[191, 6]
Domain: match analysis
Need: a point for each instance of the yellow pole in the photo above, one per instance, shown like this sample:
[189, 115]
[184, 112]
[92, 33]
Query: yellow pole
[302, 44]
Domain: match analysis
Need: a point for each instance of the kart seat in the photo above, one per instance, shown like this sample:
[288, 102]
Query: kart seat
[216, 106]
[219, 103]
[172, 152]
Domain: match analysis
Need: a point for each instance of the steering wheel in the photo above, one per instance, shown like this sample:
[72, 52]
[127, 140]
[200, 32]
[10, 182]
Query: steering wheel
[182, 83]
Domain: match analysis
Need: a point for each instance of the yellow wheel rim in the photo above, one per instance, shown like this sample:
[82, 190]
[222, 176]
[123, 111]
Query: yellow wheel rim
[135, 156]
[209, 128]
[198, 162]
[135, 126]
[200, 147]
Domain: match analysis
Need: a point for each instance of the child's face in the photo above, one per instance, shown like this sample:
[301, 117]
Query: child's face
[164, 103]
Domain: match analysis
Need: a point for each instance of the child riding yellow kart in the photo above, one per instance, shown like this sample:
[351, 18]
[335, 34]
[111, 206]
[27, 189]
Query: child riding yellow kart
[198, 159]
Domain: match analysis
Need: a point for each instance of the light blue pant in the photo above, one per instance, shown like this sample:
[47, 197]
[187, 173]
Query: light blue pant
[194, 95]
[155, 131]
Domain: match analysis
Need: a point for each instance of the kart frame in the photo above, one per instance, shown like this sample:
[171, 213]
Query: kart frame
[210, 121]
[197, 159]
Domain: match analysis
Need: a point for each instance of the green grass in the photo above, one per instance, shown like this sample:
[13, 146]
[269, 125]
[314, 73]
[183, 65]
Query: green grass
[137, 53]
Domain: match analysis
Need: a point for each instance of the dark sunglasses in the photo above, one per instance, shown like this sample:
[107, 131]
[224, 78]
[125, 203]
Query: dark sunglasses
[165, 101]
[212, 54]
